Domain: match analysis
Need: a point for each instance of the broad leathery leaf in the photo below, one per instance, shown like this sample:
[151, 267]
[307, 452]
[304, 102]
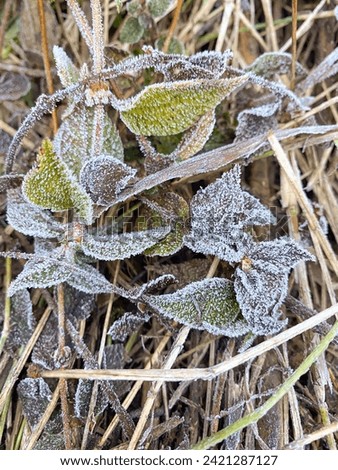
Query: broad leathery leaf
[52, 186]
[261, 282]
[219, 215]
[170, 108]
[158, 7]
[123, 245]
[35, 396]
[73, 140]
[132, 31]
[205, 305]
[104, 177]
[67, 72]
[31, 220]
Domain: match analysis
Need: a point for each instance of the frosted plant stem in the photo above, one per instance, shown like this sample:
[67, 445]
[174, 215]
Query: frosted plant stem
[67, 432]
[272, 401]
[82, 23]
[7, 316]
[98, 45]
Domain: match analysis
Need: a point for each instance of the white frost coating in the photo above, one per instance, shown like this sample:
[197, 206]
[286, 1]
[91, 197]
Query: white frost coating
[272, 63]
[30, 219]
[88, 279]
[205, 305]
[219, 215]
[35, 396]
[327, 68]
[261, 282]
[126, 325]
[122, 246]
[67, 72]
[104, 177]
[255, 121]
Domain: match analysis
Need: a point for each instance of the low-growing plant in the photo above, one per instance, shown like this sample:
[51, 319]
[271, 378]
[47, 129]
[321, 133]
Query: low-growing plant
[80, 178]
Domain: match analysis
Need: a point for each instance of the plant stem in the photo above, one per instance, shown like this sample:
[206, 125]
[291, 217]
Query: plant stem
[45, 55]
[284, 389]
[98, 46]
[7, 316]
[173, 25]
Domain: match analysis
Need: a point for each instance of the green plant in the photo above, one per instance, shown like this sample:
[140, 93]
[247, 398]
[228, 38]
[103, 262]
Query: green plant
[82, 173]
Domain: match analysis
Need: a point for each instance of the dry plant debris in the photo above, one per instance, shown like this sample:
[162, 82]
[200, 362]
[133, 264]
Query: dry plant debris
[188, 176]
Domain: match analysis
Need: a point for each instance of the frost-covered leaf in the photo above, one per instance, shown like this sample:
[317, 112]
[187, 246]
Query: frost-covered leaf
[73, 141]
[126, 325]
[172, 208]
[13, 86]
[35, 396]
[123, 245]
[205, 305]
[40, 272]
[158, 7]
[132, 31]
[31, 220]
[9, 181]
[271, 63]
[52, 186]
[196, 137]
[254, 121]
[43, 353]
[261, 282]
[219, 215]
[22, 321]
[170, 108]
[104, 177]
[60, 266]
[78, 304]
[88, 279]
[50, 441]
[67, 72]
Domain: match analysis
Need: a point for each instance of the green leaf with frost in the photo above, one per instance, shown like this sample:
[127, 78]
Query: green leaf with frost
[172, 107]
[52, 186]
[123, 245]
[175, 46]
[205, 305]
[158, 7]
[67, 72]
[56, 267]
[132, 31]
[73, 140]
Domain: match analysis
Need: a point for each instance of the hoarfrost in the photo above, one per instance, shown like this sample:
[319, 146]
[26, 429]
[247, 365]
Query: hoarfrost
[205, 305]
[219, 215]
[126, 325]
[35, 396]
[254, 121]
[327, 68]
[43, 353]
[22, 321]
[262, 279]
[104, 177]
[122, 246]
[271, 63]
[31, 220]
[67, 72]
[88, 279]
